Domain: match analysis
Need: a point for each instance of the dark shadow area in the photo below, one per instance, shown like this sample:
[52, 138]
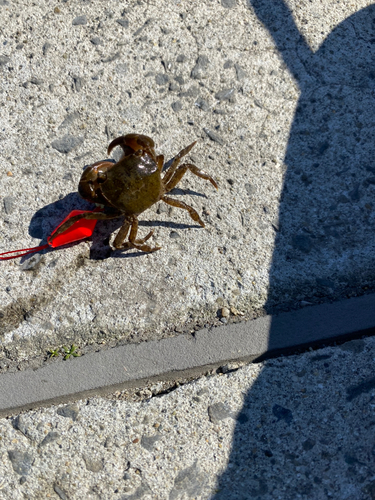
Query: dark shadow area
[325, 244]
[306, 433]
[286, 445]
[186, 191]
[45, 220]
[171, 225]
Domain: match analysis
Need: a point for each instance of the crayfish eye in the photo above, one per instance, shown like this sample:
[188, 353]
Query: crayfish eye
[139, 152]
[101, 177]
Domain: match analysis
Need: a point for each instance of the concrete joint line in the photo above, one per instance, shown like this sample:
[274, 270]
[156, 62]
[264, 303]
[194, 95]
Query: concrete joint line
[135, 365]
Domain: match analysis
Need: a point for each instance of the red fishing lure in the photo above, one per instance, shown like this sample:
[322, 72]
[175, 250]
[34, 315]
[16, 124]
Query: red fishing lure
[81, 229]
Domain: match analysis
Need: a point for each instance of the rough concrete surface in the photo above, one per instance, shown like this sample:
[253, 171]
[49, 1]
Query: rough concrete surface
[280, 100]
[280, 96]
[292, 427]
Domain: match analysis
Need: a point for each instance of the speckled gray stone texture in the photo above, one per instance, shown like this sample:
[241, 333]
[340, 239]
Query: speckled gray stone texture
[280, 99]
[294, 427]
[292, 224]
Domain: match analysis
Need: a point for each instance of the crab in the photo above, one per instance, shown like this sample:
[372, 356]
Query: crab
[132, 185]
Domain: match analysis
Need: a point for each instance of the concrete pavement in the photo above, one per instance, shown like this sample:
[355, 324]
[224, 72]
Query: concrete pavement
[281, 98]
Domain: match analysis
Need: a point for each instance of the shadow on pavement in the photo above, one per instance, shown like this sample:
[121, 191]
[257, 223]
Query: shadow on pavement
[288, 443]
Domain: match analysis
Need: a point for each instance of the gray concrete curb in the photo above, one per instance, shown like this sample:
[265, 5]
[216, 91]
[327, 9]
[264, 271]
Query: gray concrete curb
[135, 365]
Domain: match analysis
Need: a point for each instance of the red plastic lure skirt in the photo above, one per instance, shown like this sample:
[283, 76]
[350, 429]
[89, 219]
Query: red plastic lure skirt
[81, 229]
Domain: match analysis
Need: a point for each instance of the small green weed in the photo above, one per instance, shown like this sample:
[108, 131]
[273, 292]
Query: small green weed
[70, 352]
[53, 353]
